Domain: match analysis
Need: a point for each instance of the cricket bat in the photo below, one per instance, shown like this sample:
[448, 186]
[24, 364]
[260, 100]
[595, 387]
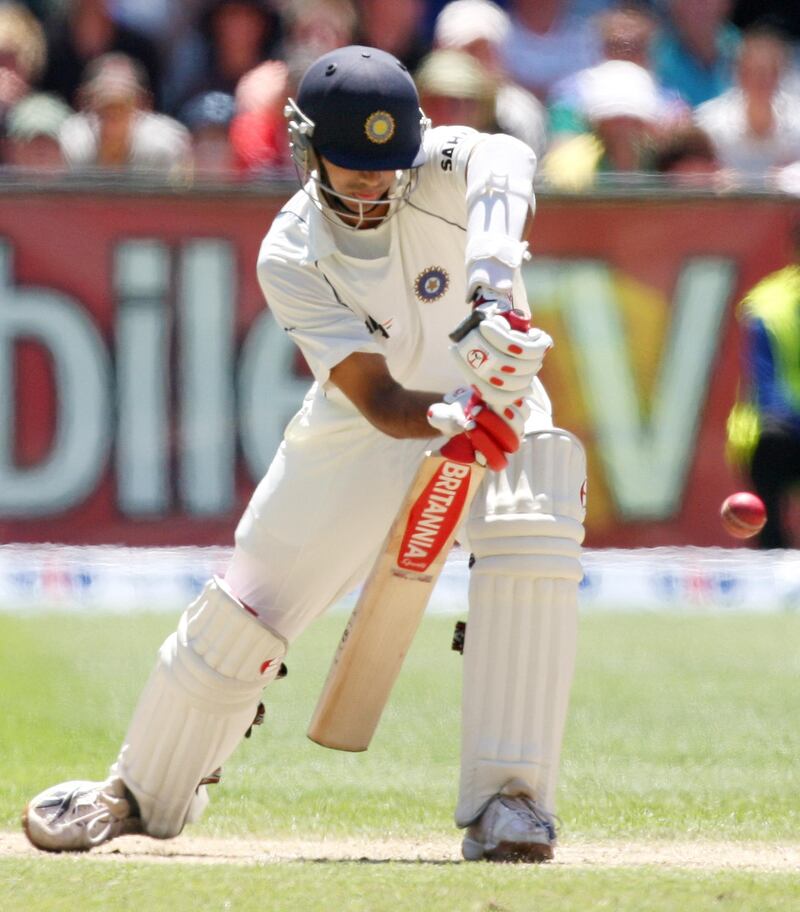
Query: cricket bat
[393, 599]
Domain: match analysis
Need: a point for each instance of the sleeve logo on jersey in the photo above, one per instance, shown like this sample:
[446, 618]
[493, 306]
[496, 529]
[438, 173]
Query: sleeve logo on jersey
[379, 127]
[431, 283]
[446, 161]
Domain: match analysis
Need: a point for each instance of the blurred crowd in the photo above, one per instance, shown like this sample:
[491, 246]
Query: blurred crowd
[701, 92]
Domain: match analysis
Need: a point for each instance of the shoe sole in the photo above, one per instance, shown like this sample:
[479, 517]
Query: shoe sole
[530, 852]
[513, 852]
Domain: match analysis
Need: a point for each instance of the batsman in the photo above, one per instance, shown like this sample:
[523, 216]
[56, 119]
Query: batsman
[399, 233]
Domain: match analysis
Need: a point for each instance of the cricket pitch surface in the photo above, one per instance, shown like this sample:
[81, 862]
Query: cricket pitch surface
[698, 856]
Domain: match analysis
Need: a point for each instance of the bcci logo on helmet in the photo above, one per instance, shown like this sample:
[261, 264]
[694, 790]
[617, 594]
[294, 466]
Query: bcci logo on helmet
[379, 127]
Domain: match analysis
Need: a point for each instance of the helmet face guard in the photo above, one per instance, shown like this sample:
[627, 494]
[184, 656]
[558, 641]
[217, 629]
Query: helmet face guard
[359, 213]
[358, 108]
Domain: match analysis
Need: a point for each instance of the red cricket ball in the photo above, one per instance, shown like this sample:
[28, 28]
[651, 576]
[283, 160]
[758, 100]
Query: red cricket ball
[743, 514]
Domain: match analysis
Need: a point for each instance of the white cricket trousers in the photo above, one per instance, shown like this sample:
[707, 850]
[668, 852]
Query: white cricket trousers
[317, 520]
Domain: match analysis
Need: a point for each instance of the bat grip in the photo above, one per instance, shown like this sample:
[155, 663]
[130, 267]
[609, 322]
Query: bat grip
[475, 318]
[516, 319]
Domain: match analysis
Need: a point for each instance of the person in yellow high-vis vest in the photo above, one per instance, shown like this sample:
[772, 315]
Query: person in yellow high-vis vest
[764, 426]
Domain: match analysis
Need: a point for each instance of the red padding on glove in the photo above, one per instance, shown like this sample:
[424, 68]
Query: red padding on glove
[486, 444]
[499, 429]
[459, 449]
[516, 319]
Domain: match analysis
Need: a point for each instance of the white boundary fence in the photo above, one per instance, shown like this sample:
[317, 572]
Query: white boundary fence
[119, 580]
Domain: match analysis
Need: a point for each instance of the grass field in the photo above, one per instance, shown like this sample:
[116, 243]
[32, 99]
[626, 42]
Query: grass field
[683, 732]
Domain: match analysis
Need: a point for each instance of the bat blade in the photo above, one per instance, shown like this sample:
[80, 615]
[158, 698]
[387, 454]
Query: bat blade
[392, 603]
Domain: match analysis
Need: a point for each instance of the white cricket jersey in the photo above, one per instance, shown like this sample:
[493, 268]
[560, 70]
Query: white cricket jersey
[398, 289]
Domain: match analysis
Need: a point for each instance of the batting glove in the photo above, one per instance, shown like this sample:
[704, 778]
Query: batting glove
[492, 434]
[497, 350]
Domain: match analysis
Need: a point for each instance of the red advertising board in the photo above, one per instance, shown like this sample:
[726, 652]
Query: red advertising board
[143, 386]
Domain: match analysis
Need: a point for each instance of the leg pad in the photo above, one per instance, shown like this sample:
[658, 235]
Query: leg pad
[199, 702]
[519, 651]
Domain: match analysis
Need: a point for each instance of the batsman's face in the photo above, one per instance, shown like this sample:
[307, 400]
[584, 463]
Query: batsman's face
[367, 189]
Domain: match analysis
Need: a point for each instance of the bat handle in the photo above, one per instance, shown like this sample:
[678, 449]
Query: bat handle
[459, 449]
[516, 319]
[473, 319]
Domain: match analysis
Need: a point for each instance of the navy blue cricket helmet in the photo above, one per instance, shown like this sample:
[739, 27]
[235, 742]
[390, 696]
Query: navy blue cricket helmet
[363, 110]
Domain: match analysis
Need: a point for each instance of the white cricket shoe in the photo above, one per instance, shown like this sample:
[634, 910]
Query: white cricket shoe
[511, 828]
[77, 816]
